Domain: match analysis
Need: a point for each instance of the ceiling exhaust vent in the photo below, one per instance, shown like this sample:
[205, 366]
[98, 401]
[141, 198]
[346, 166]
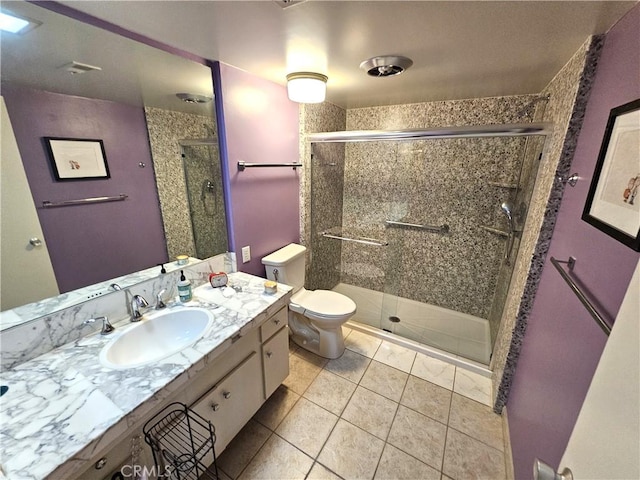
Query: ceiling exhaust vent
[288, 3]
[386, 66]
[75, 68]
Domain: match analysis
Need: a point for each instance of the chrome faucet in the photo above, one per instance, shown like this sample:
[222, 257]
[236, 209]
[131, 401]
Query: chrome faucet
[137, 302]
[107, 328]
[159, 302]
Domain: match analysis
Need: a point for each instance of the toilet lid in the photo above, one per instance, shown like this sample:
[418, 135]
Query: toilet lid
[326, 303]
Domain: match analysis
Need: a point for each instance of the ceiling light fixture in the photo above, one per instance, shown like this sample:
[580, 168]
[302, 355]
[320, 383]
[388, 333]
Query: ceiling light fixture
[14, 24]
[307, 87]
[193, 98]
[386, 66]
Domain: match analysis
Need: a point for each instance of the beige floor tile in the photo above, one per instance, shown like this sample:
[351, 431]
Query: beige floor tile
[476, 420]
[350, 365]
[467, 458]
[307, 426]
[351, 452]
[362, 343]
[434, 370]
[276, 407]
[311, 357]
[243, 448]
[385, 380]
[397, 465]
[320, 472]
[473, 385]
[301, 373]
[395, 356]
[371, 412]
[419, 436]
[330, 391]
[278, 459]
[427, 398]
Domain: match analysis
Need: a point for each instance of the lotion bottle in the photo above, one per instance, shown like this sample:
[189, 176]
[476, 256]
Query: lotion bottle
[184, 288]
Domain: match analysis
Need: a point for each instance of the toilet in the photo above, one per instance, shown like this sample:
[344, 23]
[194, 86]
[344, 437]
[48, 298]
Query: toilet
[315, 316]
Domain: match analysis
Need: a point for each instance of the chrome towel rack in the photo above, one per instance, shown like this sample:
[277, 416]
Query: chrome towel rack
[243, 165]
[430, 228]
[579, 293]
[365, 241]
[84, 201]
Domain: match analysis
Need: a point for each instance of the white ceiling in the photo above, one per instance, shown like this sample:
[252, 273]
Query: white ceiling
[460, 49]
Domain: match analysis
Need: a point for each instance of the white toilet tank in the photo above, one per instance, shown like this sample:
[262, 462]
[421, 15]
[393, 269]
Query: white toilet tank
[289, 263]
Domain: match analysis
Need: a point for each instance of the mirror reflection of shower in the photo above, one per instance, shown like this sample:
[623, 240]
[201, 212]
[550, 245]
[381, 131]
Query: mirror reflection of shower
[202, 175]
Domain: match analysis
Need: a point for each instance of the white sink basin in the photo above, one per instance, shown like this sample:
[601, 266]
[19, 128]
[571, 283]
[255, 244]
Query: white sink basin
[157, 336]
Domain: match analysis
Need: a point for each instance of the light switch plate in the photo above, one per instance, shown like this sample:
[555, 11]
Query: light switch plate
[246, 254]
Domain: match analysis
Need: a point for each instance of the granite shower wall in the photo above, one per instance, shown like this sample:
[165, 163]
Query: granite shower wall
[206, 200]
[377, 180]
[166, 129]
[568, 93]
[326, 171]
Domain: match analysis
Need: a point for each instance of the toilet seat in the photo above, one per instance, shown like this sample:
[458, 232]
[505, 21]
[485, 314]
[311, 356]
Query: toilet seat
[323, 304]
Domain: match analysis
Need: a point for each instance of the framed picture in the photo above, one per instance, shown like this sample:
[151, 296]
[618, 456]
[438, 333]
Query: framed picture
[613, 203]
[77, 159]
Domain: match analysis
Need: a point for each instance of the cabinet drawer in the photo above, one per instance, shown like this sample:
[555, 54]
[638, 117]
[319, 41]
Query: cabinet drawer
[273, 324]
[275, 361]
[233, 401]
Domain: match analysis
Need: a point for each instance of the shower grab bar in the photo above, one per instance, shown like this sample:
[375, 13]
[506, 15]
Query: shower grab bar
[579, 293]
[242, 165]
[84, 201]
[365, 241]
[430, 228]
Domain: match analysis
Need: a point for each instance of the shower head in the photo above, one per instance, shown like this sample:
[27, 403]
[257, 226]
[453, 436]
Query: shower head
[507, 209]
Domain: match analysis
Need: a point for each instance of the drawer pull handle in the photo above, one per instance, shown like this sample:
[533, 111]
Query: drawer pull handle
[276, 321]
[227, 395]
[215, 407]
[269, 354]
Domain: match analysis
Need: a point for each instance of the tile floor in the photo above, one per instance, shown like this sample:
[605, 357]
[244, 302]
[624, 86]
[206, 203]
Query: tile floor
[380, 411]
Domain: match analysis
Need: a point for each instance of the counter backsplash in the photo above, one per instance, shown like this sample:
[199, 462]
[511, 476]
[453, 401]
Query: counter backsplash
[32, 339]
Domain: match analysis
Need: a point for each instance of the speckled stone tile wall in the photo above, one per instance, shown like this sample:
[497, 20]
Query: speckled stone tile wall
[324, 201]
[432, 182]
[568, 92]
[206, 201]
[166, 128]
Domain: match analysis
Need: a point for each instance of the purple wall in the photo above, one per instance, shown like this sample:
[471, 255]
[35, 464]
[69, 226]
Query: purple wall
[260, 125]
[563, 344]
[90, 243]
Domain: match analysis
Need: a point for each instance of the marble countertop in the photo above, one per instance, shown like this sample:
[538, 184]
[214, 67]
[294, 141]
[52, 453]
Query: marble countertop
[64, 406]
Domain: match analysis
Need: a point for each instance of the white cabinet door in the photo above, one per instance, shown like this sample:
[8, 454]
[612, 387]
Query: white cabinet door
[275, 361]
[232, 402]
[605, 442]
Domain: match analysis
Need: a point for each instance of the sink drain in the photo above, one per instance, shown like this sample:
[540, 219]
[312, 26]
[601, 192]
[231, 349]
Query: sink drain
[394, 319]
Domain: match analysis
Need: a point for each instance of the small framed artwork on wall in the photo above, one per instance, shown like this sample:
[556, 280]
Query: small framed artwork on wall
[77, 159]
[613, 202]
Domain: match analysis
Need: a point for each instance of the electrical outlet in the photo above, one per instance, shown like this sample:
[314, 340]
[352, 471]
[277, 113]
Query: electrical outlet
[246, 254]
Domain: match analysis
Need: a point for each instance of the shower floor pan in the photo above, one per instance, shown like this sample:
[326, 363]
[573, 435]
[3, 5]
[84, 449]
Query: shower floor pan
[454, 332]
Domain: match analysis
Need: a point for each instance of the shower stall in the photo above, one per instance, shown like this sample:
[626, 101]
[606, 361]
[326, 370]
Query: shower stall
[421, 228]
[203, 184]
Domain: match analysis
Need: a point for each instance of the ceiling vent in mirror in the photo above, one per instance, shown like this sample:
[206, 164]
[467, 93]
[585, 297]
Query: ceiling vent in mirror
[386, 66]
[193, 98]
[75, 68]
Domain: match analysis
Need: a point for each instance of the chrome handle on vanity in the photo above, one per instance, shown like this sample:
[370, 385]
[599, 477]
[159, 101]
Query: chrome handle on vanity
[226, 395]
[276, 321]
[215, 407]
[35, 242]
[269, 354]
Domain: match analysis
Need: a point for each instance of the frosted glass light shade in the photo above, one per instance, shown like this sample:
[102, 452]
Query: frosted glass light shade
[306, 87]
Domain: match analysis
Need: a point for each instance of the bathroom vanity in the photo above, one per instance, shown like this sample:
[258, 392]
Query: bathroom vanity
[66, 414]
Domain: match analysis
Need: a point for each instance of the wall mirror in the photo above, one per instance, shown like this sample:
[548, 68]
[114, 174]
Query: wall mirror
[152, 110]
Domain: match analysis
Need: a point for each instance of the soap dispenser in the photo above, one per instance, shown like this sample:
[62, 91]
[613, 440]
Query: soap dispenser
[184, 288]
